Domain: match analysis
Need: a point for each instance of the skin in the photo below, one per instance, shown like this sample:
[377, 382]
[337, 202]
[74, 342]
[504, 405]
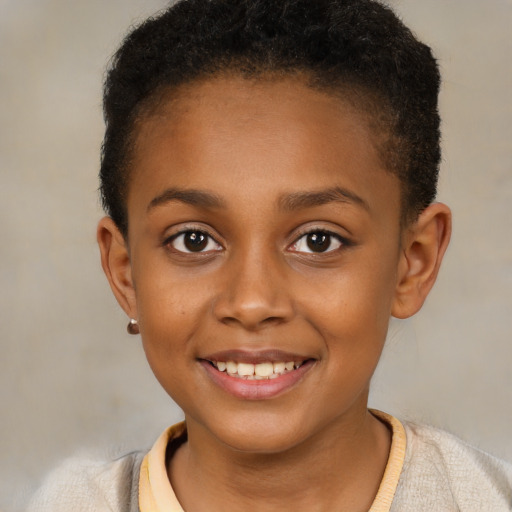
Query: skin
[265, 150]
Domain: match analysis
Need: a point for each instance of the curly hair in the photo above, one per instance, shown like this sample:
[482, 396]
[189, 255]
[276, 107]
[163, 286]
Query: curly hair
[340, 45]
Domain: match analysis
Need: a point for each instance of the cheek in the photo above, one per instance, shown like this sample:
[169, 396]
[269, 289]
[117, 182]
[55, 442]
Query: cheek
[356, 298]
[166, 327]
[351, 308]
[166, 315]
[166, 295]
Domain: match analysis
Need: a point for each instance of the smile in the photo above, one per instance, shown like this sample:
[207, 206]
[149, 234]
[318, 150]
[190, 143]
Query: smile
[257, 375]
[260, 371]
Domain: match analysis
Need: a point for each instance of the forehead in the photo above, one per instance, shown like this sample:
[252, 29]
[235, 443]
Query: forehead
[275, 136]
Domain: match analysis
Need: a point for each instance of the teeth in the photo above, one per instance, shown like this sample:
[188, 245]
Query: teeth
[260, 371]
[263, 369]
[231, 367]
[279, 367]
[246, 369]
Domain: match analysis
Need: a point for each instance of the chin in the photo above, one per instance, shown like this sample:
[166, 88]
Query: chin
[266, 436]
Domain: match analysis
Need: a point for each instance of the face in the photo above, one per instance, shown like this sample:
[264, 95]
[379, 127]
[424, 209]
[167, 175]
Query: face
[264, 243]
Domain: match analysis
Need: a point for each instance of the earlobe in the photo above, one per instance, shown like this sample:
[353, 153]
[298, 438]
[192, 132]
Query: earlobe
[423, 248]
[115, 260]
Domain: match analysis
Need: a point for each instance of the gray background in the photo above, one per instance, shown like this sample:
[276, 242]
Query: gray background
[71, 378]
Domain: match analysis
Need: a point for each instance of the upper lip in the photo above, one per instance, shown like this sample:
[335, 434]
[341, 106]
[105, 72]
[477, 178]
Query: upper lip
[255, 357]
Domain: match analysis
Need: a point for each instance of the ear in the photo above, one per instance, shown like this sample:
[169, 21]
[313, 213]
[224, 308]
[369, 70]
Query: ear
[423, 247]
[115, 260]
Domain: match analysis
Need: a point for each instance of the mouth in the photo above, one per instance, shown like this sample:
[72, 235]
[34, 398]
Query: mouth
[256, 375]
[266, 370]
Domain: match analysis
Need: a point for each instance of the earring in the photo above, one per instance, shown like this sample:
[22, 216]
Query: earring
[133, 326]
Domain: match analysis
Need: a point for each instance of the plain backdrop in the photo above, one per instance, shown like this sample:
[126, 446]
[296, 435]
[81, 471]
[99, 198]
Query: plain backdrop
[72, 379]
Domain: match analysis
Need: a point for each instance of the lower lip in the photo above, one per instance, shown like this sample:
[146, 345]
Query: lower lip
[257, 389]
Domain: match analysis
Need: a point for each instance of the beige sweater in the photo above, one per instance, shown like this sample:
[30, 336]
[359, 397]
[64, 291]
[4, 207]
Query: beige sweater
[439, 473]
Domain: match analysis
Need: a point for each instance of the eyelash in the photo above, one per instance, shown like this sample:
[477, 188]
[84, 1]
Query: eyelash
[343, 242]
[208, 239]
[192, 230]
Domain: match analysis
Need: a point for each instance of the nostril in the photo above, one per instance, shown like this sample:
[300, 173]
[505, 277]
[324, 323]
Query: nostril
[273, 320]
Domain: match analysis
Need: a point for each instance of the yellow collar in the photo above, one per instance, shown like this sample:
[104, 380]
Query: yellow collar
[157, 495]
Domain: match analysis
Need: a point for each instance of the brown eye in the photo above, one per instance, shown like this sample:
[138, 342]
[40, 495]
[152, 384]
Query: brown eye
[317, 242]
[194, 241]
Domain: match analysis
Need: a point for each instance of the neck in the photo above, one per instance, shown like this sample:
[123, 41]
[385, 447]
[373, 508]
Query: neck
[340, 468]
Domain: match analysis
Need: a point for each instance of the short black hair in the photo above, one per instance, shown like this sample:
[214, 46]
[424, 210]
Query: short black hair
[357, 45]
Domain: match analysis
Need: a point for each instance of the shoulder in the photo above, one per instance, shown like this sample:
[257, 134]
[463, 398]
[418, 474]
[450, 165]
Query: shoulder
[442, 472]
[85, 484]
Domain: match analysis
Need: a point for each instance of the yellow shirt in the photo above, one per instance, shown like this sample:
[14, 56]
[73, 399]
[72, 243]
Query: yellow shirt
[157, 495]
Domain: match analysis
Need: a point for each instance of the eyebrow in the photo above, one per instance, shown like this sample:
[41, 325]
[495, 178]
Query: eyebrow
[289, 202]
[300, 200]
[193, 197]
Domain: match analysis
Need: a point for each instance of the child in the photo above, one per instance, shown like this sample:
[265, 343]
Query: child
[269, 171]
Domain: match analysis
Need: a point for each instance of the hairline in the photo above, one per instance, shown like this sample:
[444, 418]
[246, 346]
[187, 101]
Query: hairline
[366, 101]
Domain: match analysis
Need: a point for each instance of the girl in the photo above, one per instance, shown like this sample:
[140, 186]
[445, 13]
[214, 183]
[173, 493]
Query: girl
[269, 172]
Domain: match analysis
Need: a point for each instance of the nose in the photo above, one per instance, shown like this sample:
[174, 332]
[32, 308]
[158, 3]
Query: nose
[255, 293]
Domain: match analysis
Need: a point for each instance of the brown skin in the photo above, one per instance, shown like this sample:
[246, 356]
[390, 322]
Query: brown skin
[257, 286]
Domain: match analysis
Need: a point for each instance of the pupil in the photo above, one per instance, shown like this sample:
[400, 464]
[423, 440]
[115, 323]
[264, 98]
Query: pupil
[319, 242]
[195, 241]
